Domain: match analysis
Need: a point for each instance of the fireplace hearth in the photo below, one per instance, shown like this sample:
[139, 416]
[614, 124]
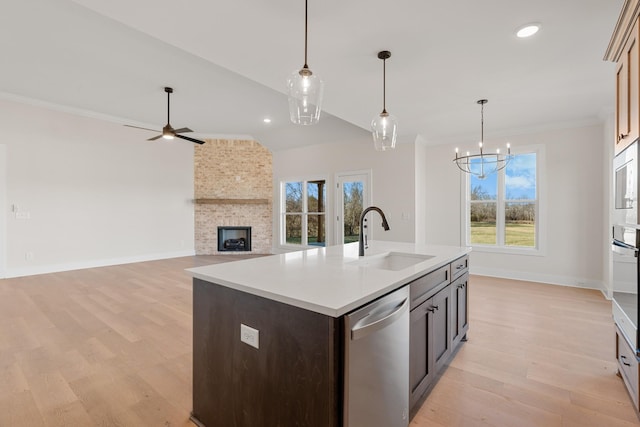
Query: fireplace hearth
[234, 239]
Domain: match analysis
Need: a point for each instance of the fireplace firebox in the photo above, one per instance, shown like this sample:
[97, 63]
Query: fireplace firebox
[234, 239]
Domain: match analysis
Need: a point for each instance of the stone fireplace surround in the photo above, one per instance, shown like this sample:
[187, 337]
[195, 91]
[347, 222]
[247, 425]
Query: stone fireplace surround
[233, 187]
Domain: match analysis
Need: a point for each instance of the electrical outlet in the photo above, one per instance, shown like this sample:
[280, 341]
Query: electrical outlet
[28, 256]
[249, 336]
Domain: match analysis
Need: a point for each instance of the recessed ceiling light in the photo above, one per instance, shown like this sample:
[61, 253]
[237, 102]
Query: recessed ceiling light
[528, 30]
[267, 120]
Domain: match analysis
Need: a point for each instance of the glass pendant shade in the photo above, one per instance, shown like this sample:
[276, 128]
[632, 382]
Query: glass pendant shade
[304, 90]
[384, 129]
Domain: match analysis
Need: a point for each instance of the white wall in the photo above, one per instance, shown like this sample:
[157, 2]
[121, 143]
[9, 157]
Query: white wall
[574, 214]
[97, 193]
[420, 191]
[3, 209]
[393, 181]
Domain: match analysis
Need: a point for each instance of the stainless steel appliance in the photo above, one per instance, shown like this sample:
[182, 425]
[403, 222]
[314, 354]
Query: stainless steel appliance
[377, 363]
[625, 247]
[625, 177]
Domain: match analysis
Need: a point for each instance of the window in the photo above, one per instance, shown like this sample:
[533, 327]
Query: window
[303, 213]
[503, 207]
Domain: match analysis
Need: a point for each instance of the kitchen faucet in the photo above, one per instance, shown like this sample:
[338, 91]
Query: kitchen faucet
[361, 238]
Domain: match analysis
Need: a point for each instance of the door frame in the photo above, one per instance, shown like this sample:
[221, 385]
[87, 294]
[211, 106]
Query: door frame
[339, 199]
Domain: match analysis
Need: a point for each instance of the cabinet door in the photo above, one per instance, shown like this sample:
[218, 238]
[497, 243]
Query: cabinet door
[420, 361]
[429, 343]
[441, 341]
[628, 93]
[460, 309]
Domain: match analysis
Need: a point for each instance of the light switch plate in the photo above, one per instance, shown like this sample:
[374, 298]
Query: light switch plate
[249, 336]
[23, 215]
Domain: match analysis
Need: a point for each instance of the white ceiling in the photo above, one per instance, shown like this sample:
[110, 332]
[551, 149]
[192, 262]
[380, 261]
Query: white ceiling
[228, 61]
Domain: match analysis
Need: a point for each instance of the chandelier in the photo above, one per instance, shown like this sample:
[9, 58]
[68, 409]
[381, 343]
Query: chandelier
[483, 164]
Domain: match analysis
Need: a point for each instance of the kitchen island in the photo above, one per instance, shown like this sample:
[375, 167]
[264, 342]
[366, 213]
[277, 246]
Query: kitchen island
[269, 333]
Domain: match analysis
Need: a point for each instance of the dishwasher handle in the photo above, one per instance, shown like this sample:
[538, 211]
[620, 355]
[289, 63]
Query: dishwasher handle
[362, 330]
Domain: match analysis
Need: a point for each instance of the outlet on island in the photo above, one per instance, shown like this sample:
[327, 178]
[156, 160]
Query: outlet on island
[249, 336]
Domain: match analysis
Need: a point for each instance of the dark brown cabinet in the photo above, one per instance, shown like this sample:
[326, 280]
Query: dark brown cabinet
[441, 305]
[460, 309]
[430, 341]
[439, 321]
[294, 378]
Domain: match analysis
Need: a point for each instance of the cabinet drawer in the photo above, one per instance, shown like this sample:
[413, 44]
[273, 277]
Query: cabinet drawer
[459, 266]
[424, 287]
[628, 366]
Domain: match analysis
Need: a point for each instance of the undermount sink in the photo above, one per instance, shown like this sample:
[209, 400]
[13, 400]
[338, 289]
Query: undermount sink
[391, 261]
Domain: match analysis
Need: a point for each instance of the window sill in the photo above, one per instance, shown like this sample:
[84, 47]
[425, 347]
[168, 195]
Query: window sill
[508, 250]
[293, 248]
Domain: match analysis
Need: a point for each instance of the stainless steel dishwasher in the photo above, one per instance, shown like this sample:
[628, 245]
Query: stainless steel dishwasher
[377, 363]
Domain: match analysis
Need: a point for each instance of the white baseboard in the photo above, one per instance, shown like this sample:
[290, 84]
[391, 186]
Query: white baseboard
[56, 268]
[528, 276]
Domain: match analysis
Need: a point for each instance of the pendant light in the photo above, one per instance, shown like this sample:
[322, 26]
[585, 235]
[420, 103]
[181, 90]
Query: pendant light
[304, 90]
[483, 164]
[385, 126]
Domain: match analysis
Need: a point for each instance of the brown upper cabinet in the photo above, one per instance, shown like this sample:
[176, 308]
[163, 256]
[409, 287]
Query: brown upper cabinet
[624, 50]
[628, 93]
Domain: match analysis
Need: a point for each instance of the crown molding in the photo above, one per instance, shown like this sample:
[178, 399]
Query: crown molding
[628, 16]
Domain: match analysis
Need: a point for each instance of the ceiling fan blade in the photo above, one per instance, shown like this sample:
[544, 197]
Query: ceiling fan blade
[138, 127]
[183, 130]
[197, 141]
[154, 138]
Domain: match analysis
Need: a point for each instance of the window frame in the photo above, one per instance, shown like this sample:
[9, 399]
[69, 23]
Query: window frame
[304, 214]
[540, 241]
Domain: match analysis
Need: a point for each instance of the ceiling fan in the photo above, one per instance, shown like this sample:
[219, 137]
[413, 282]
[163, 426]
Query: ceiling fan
[168, 132]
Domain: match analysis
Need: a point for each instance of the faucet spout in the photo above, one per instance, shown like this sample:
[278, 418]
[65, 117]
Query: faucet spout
[385, 225]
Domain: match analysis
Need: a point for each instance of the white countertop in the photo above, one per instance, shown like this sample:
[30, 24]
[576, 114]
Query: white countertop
[325, 280]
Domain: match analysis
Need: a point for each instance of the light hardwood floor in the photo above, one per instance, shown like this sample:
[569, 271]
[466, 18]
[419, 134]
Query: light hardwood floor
[112, 346]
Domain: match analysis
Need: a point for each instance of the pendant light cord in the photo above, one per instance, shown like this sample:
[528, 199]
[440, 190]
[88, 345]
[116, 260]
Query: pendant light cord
[384, 85]
[305, 33]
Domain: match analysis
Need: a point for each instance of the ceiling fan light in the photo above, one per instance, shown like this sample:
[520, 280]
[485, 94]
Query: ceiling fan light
[168, 132]
[305, 90]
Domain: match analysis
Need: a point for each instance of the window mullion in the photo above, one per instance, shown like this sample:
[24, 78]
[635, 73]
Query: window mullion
[304, 238]
[283, 209]
[500, 210]
[467, 210]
